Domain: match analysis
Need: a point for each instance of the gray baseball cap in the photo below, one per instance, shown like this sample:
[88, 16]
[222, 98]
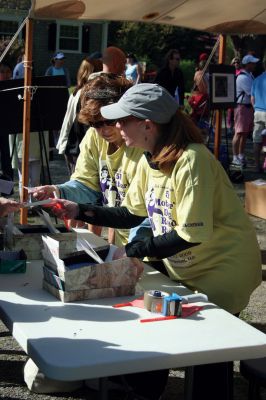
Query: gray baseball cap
[144, 101]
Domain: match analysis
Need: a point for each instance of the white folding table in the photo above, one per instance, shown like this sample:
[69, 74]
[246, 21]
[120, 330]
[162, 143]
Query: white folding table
[91, 339]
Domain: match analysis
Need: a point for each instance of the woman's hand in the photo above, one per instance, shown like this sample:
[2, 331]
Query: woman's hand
[8, 206]
[120, 252]
[64, 209]
[44, 192]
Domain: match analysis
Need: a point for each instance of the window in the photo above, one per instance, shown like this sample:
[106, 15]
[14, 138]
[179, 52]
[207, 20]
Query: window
[8, 28]
[69, 37]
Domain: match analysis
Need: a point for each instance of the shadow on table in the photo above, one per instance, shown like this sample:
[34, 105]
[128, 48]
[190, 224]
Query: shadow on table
[61, 358]
[29, 313]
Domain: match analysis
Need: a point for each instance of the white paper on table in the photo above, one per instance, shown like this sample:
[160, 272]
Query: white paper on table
[6, 186]
[48, 222]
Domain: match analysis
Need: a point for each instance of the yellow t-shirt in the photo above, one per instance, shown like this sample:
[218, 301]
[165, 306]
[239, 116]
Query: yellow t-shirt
[199, 202]
[110, 174]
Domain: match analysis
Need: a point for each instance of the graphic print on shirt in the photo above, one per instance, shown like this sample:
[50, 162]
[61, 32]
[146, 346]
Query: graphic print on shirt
[105, 182]
[122, 184]
[159, 210]
[160, 206]
[108, 186]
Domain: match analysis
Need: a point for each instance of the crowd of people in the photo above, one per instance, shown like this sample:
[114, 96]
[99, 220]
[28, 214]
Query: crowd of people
[138, 164]
[245, 118]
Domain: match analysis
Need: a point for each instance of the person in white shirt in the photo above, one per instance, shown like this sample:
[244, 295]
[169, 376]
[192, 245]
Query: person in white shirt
[244, 113]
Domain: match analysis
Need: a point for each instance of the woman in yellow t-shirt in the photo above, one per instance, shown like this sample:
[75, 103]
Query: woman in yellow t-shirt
[200, 228]
[105, 166]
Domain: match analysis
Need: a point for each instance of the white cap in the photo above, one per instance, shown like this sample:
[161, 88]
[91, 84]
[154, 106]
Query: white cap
[249, 59]
[59, 56]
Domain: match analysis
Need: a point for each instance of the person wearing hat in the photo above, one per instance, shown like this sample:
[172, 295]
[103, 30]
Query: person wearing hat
[203, 57]
[244, 113]
[200, 229]
[58, 68]
[258, 99]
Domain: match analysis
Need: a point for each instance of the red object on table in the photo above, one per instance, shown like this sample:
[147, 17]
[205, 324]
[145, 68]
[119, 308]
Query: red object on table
[187, 309]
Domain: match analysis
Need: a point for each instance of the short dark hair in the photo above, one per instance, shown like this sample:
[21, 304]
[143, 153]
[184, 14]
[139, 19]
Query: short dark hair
[132, 55]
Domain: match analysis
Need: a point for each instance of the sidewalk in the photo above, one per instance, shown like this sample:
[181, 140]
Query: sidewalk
[12, 357]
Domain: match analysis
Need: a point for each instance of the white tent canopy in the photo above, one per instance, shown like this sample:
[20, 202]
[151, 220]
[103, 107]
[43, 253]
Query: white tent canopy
[219, 16]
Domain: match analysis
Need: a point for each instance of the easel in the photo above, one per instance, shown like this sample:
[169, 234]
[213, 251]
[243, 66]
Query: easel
[48, 93]
[223, 158]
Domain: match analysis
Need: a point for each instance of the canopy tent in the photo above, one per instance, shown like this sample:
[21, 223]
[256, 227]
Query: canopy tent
[216, 16]
[227, 16]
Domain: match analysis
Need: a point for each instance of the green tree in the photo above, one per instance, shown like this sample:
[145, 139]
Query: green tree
[16, 50]
[253, 44]
[188, 68]
[150, 42]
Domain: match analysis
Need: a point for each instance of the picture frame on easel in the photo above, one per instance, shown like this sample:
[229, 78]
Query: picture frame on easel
[222, 86]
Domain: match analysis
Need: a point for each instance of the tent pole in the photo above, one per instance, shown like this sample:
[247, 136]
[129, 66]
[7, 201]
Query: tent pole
[26, 117]
[219, 113]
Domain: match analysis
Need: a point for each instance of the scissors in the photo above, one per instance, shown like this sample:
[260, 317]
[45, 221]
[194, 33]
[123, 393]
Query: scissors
[66, 221]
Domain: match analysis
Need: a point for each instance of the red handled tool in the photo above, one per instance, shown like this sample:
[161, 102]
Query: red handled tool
[159, 318]
[66, 221]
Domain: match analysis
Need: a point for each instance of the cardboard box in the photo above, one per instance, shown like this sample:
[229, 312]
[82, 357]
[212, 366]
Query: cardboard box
[29, 238]
[255, 198]
[79, 276]
[93, 276]
[87, 294]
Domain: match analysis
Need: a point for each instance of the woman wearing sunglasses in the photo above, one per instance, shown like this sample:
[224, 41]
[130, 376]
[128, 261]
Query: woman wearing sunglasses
[105, 166]
[201, 230]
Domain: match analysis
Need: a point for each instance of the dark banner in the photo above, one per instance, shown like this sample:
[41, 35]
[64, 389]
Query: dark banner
[48, 105]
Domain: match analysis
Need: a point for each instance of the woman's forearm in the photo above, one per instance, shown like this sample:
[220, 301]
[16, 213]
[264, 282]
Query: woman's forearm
[112, 217]
[161, 246]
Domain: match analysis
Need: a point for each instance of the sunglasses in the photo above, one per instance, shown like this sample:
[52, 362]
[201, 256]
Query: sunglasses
[105, 122]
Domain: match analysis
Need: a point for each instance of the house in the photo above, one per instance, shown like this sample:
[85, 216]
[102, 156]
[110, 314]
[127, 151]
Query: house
[76, 39]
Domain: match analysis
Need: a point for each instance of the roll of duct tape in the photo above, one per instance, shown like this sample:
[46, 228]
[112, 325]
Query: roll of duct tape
[153, 300]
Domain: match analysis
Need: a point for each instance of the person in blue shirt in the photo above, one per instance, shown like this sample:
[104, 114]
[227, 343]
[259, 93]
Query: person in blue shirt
[258, 100]
[58, 68]
[133, 69]
[18, 72]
